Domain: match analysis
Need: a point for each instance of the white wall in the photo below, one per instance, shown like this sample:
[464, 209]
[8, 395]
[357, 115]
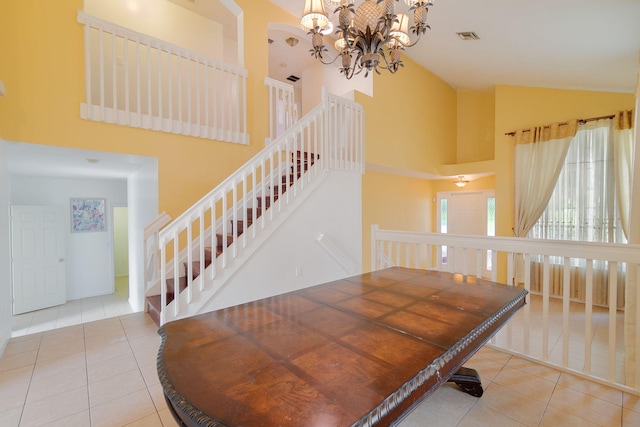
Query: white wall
[89, 257]
[319, 75]
[152, 17]
[339, 85]
[312, 81]
[5, 276]
[142, 192]
[335, 210]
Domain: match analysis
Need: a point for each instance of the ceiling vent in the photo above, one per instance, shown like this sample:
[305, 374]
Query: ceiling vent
[468, 35]
[293, 78]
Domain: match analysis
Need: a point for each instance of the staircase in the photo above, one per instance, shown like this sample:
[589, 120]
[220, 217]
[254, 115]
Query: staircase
[242, 212]
[303, 161]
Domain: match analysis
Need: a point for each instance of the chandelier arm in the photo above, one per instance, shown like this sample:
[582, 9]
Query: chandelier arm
[404, 46]
[392, 67]
[386, 65]
[349, 73]
[321, 59]
[355, 73]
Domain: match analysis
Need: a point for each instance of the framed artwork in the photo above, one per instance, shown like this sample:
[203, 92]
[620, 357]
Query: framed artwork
[88, 215]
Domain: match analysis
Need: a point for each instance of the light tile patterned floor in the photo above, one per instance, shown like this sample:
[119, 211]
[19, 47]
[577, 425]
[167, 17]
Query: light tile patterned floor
[75, 312]
[103, 373]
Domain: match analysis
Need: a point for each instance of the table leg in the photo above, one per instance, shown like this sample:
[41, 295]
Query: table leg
[468, 380]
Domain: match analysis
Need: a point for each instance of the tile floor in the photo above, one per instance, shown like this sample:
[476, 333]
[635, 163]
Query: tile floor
[103, 373]
[75, 312]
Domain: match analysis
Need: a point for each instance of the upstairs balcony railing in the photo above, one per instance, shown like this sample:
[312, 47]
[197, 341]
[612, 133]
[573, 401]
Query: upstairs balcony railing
[283, 111]
[132, 79]
[577, 336]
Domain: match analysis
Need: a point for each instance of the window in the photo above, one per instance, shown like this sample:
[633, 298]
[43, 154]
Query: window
[583, 204]
[582, 207]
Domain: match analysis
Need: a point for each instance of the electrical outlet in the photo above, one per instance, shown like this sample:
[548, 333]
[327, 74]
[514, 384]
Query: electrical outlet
[2, 91]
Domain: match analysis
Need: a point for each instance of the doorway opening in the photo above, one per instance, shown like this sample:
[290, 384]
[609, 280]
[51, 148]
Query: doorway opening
[48, 175]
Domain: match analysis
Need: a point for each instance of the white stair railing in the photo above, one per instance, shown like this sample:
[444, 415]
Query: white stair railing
[579, 337]
[283, 111]
[268, 179]
[136, 80]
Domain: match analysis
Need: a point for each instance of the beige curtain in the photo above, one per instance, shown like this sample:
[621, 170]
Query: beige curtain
[623, 152]
[539, 156]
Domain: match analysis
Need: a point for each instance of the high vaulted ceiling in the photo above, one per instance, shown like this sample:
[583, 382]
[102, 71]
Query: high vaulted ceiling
[569, 44]
[572, 44]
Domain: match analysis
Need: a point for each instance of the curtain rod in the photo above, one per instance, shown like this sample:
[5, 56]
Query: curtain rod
[580, 121]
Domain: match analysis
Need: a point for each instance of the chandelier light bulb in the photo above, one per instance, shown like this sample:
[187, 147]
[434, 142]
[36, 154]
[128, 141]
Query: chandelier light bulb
[314, 15]
[340, 43]
[400, 31]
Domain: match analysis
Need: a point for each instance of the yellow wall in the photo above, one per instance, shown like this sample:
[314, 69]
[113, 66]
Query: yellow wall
[42, 67]
[475, 126]
[410, 124]
[394, 203]
[410, 120]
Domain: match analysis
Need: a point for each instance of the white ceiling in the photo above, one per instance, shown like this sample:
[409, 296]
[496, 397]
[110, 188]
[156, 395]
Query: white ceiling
[569, 44]
[45, 160]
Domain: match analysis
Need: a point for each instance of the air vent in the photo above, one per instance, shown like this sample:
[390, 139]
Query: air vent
[468, 35]
[293, 78]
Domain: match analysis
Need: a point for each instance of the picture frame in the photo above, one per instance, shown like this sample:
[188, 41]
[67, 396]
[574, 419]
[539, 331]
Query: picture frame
[88, 215]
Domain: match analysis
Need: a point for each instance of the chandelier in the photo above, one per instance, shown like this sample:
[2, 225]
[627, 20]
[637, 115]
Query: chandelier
[369, 37]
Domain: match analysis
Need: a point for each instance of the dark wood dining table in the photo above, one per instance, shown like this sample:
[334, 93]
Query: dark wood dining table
[360, 351]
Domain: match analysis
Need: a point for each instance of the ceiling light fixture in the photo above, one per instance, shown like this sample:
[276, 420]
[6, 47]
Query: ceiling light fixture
[292, 41]
[460, 182]
[370, 37]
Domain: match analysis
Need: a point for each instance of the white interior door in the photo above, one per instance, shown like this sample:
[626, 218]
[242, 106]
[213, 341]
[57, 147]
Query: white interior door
[37, 257]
